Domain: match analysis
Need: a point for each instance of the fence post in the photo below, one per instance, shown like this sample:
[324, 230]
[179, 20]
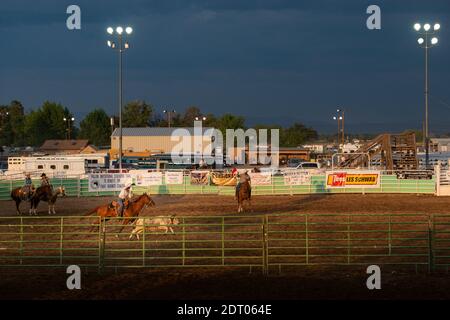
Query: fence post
[79, 187]
[430, 244]
[223, 241]
[21, 240]
[184, 241]
[143, 243]
[101, 238]
[265, 230]
[61, 239]
[348, 239]
[390, 235]
[306, 239]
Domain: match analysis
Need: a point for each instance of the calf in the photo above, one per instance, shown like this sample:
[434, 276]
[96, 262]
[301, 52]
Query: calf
[155, 223]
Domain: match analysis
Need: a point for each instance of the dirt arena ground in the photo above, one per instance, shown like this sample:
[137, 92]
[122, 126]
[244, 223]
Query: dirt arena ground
[223, 205]
[301, 283]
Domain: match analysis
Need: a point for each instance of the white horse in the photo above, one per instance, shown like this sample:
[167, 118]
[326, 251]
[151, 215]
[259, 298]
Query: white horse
[50, 198]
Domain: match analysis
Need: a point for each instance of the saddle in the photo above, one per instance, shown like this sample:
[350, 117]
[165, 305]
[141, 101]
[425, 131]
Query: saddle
[115, 204]
[26, 193]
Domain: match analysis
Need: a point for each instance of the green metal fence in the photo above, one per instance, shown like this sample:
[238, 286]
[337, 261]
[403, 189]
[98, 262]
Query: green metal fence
[266, 243]
[389, 184]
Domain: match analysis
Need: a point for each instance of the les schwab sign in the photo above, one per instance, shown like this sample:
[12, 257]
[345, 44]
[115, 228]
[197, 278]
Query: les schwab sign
[353, 179]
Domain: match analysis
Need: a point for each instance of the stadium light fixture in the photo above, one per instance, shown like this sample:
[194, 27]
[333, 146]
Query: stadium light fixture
[426, 41]
[121, 46]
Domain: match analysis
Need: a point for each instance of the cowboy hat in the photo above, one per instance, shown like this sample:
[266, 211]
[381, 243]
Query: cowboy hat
[43, 175]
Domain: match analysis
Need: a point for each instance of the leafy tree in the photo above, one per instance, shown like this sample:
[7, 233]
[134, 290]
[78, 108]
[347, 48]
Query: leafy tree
[17, 121]
[296, 135]
[189, 116]
[228, 121]
[137, 114]
[47, 122]
[11, 124]
[96, 127]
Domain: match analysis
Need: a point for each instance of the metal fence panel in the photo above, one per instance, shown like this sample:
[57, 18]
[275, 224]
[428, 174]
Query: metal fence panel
[268, 242]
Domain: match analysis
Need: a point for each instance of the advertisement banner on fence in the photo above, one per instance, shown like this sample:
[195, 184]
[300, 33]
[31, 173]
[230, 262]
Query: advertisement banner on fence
[260, 179]
[173, 177]
[223, 179]
[199, 177]
[297, 178]
[148, 179]
[414, 174]
[353, 179]
[108, 181]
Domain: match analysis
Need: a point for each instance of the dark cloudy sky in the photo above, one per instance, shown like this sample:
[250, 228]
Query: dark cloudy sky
[272, 61]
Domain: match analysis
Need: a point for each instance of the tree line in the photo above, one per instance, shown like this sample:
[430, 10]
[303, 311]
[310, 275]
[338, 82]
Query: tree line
[21, 128]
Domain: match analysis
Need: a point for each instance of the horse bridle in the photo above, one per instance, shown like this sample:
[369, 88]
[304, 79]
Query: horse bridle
[146, 205]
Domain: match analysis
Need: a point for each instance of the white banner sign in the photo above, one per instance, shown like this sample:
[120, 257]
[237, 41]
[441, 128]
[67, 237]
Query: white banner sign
[173, 177]
[260, 179]
[108, 181]
[148, 179]
[296, 178]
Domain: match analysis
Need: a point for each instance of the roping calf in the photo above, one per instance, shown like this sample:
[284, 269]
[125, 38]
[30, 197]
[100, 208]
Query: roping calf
[156, 223]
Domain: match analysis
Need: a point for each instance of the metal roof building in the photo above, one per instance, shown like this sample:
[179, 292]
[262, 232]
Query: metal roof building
[158, 131]
[154, 140]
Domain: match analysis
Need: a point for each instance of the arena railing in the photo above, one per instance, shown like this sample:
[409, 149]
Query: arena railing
[267, 243]
[78, 186]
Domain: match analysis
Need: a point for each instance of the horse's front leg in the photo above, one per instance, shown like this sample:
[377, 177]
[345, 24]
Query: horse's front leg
[17, 208]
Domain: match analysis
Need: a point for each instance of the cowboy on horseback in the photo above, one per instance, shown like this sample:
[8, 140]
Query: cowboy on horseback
[28, 188]
[125, 194]
[45, 181]
[245, 177]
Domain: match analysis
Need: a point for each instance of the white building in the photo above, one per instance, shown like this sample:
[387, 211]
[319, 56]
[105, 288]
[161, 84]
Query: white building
[440, 144]
[56, 166]
[316, 148]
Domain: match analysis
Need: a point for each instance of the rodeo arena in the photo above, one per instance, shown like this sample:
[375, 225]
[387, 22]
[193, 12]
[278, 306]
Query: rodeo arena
[314, 209]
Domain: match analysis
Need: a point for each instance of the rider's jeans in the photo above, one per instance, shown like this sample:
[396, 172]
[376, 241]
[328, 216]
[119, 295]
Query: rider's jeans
[121, 204]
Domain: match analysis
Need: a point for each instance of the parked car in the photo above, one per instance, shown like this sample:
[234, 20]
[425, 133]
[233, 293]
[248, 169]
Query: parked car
[308, 165]
[294, 162]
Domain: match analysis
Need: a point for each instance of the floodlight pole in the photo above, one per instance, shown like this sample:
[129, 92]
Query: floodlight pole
[427, 139]
[120, 101]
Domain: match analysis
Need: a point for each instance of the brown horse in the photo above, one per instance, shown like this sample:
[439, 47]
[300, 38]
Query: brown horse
[130, 213]
[45, 193]
[19, 195]
[243, 194]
